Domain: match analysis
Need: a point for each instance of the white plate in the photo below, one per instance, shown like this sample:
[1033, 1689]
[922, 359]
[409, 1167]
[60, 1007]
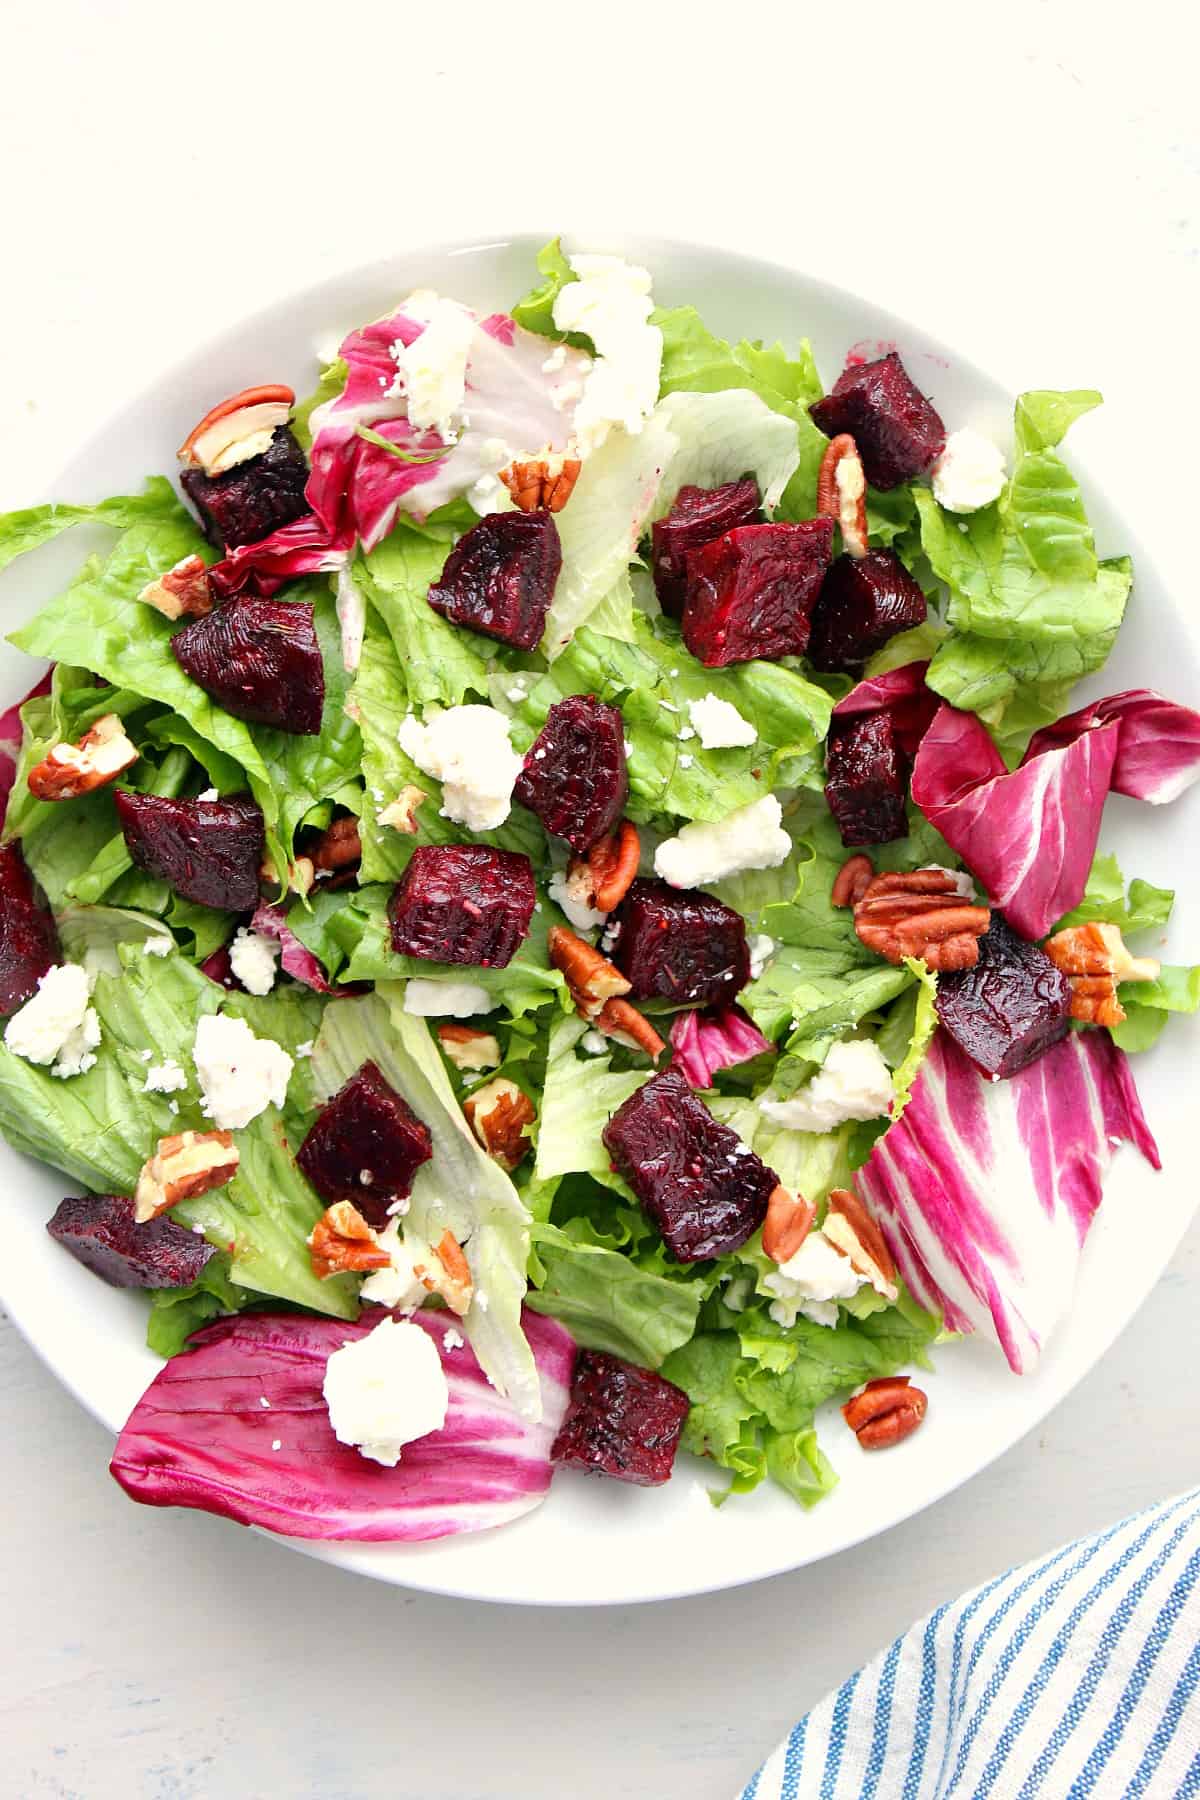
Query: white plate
[596, 1542]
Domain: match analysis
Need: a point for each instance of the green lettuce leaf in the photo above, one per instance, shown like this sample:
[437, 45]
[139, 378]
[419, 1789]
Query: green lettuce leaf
[1105, 900]
[441, 663]
[176, 1312]
[535, 311]
[581, 1094]
[37, 525]
[332, 380]
[460, 1189]
[608, 1302]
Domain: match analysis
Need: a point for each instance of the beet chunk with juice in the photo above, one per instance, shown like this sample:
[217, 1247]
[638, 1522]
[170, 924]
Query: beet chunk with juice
[462, 903]
[100, 1232]
[260, 660]
[210, 851]
[751, 592]
[705, 1191]
[28, 935]
[254, 499]
[1010, 1008]
[499, 578]
[897, 430]
[366, 1146]
[863, 602]
[697, 516]
[574, 778]
[866, 775]
[622, 1421]
[680, 944]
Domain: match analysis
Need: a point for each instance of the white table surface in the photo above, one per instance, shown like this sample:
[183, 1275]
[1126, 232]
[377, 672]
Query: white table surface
[1028, 170]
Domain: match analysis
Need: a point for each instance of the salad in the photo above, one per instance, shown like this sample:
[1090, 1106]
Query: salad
[552, 910]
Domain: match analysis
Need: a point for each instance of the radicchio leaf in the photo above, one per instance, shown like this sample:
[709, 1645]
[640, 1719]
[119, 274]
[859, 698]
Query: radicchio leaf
[201, 1435]
[707, 1041]
[985, 1190]
[902, 694]
[1158, 751]
[295, 958]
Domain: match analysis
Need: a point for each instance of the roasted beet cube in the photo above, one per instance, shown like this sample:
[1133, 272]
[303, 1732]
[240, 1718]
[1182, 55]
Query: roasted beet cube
[260, 660]
[499, 578]
[866, 774]
[897, 431]
[695, 1178]
[210, 851]
[366, 1146]
[100, 1232]
[751, 592]
[1007, 1010]
[679, 944]
[697, 516]
[622, 1421]
[574, 776]
[254, 499]
[863, 602]
[28, 937]
[462, 903]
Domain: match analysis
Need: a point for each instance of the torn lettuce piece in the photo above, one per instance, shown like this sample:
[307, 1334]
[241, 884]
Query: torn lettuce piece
[580, 1095]
[441, 662]
[609, 1302]
[36, 525]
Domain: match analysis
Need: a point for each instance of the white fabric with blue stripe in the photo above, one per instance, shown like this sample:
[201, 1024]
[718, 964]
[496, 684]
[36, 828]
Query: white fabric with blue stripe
[1073, 1676]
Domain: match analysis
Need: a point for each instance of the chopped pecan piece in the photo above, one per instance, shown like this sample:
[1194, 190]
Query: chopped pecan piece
[99, 757]
[921, 914]
[500, 1115]
[469, 1048]
[885, 1411]
[544, 483]
[184, 1165]
[852, 881]
[1095, 959]
[842, 492]
[401, 813]
[237, 428]
[851, 1229]
[626, 1025]
[448, 1273]
[592, 979]
[341, 1240]
[184, 592]
[340, 847]
[609, 869]
[788, 1222]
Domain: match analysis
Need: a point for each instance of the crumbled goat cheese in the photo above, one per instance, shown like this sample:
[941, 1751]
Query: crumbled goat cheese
[158, 945]
[854, 1083]
[432, 999]
[750, 838]
[611, 303]
[386, 1390]
[968, 474]
[431, 372]
[761, 949]
[305, 1049]
[209, 794]
[720, 724]
[240, 1074]
[252, 959]
[581, 916]
[810, 1282]
[398, 1287]
[595, 1043]
[56, 1025]
[467, 749]
[165, 1078]
[686, 761]
[453, 1340]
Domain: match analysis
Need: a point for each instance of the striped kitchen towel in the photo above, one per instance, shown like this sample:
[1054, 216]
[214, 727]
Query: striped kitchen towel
[1075, 1675]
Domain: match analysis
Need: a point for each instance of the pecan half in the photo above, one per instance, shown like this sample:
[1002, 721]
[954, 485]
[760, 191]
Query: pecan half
[545, 482]
[340, 847]
[237, 428]
[842, 492]
[1095, 958]
[469, 1048]
[921, 914]
[342, 1240]
[625, 1025]
[99, 757]
[592, 979]
[851, 1229]
[401, 813]
[184, 592]
[604, 876]
[500, 1115]
[788, 1222]
[885, 1412]
[852, 881]
[448, 1274]
[187, 1164]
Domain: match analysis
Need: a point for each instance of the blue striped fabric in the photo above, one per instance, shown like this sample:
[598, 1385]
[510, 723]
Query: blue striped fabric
[1076, 1676]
